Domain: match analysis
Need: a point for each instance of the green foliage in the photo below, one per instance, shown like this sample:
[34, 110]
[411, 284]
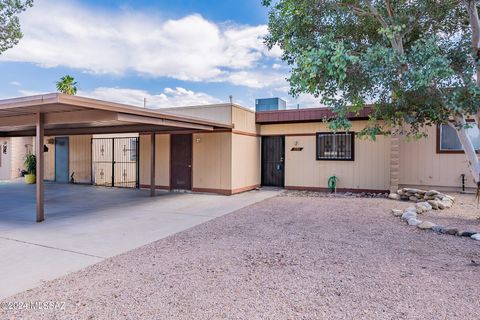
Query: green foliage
[10, 32]
[67, 85]
[31, 163]
[411, 61]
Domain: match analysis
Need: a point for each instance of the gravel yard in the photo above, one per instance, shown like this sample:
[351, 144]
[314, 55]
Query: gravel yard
[284, 258]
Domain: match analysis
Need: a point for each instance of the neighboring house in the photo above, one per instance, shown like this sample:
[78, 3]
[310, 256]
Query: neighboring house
[283, 148]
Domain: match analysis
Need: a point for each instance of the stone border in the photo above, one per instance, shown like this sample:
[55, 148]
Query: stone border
[410, 215]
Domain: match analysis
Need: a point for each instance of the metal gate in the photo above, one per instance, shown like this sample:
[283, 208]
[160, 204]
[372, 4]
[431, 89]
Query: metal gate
[115, 162]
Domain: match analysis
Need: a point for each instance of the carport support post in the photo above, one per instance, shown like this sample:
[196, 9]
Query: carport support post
[152, 165]
[40, 167]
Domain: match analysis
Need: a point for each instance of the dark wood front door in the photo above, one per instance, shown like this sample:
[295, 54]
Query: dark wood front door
[273, 161]
[181, 161]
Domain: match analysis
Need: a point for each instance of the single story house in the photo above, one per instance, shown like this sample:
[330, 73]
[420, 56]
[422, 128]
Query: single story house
[221, 148]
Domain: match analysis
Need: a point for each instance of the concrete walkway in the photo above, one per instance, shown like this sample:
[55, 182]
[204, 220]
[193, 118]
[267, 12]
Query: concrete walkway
[85, 225]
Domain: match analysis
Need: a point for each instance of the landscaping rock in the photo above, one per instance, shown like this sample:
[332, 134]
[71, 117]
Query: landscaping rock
[423, 207]
[438, 229]
[412, 209]
[476, 236]
[414, 222]
[413, 198]
[397, 212]
[451, 231]
[433, 204]
[426, 225]
[447, 204]
[441, 205]
[413, 191]
[431, 193]
[450, 197]
[394, 196]
[407, 215]
[468, 234]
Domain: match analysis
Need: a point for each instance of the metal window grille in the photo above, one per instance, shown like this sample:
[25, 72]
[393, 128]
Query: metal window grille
[335, 146]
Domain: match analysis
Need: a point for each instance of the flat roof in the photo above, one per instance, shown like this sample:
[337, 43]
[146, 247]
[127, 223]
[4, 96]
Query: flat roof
[305, 115]
[70, 115]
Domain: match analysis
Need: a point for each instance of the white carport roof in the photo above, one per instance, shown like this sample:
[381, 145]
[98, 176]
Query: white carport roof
[73, 115]
[60, 114]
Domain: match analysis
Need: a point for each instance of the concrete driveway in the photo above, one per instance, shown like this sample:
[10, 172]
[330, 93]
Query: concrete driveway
[85, 225]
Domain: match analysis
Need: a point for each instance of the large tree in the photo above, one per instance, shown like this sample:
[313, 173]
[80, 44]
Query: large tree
[415, 62]
[10, 32]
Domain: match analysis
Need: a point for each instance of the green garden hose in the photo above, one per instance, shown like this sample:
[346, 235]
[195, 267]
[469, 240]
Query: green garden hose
[332, 183]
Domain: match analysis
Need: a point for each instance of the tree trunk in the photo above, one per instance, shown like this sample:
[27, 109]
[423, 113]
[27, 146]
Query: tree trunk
[470, 153]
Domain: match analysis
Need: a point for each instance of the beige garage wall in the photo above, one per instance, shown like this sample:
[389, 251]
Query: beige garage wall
[49, 157]
[19, 148]
[421, 165]
[5, 159]
[370, 170]
[246, 167]
[212, 159]
[80, 158]
[162, 160]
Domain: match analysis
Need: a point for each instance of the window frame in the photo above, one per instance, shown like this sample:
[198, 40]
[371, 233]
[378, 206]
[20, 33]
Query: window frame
[439, 143]
[352, 142]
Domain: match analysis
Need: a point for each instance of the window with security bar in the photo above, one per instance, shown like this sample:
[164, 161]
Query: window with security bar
[336, 146]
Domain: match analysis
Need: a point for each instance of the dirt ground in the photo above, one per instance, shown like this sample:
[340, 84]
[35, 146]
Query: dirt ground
[288, 257]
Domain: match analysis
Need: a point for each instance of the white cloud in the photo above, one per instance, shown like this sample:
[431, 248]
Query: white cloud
[65, 33]
[304, 100]
[170, 97]
[15, 83]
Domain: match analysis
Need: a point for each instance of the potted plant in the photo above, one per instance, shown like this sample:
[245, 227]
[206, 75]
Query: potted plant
[31, 168]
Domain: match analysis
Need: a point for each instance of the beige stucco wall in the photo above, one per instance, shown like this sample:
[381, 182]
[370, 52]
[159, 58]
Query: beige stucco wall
[162, 160]
[246, 156]
[5, 159]
[421, 165]
[212, 159]
[370, 170]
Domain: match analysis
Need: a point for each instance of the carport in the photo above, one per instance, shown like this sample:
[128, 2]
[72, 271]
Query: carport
[59, 114]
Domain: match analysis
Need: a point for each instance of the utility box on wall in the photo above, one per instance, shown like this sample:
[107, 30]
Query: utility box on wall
[270, 104]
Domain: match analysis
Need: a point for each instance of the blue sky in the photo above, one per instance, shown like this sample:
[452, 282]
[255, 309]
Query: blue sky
[171, 52]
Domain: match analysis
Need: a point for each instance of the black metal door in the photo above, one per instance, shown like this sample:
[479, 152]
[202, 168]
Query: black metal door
[273, 161]
[115, 162]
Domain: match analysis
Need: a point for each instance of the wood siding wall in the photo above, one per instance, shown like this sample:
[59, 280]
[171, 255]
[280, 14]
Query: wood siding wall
[370, 170]
[246, 166]
[244, 120]
[212, 159]
[421, 165]
[20, 147]
[80, 158]
[5, 159]
[162, 160]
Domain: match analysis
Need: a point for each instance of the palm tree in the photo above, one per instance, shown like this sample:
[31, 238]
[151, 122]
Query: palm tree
[67, 85]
